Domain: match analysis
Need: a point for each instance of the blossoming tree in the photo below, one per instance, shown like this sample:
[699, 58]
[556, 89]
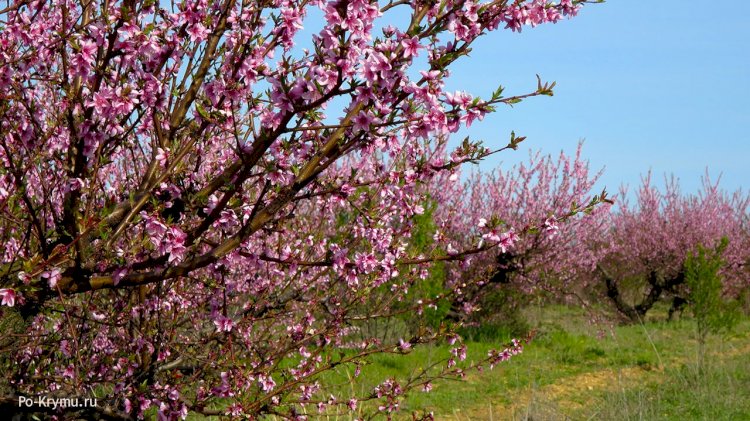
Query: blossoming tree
[644, 251]
[196, 208]
[553, 256]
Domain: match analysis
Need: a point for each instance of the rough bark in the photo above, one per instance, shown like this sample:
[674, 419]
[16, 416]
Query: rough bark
[657, 288]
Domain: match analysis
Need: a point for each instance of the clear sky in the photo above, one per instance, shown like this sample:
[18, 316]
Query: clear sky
[660, 85]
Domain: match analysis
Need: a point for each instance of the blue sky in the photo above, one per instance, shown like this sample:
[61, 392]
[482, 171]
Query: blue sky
[650, 85]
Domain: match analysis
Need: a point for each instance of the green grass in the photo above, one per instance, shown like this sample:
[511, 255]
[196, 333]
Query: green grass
[574, 370]
[721, 392]
[577, 370]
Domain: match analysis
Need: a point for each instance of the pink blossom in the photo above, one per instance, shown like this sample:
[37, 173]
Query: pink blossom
[174, 244]
[404, 345]
[53, 276]
[362, 121]
[507, 240]
[411, 46]
[266, 383]
[550, 227]
[366, 262]
[162, 156]
[197, 32]
[223, 324]
[69, 372]
[8, 297]
[88, 51]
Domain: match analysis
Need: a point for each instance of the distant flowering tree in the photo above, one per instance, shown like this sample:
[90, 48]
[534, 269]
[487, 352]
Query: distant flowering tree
[196, 210]
[543, 198]
[647, 244]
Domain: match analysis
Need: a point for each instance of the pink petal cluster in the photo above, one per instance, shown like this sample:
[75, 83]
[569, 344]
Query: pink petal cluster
[8, 297]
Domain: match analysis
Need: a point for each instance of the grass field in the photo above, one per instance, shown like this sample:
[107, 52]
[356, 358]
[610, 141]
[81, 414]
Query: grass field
[579, 371]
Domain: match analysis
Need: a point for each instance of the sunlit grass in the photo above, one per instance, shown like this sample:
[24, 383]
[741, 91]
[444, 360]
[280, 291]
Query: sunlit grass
[573, 369]
[577, 370]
